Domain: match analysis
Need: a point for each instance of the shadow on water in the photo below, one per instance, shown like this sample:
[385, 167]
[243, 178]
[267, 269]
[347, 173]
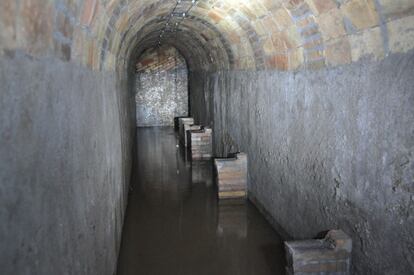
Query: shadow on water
[175, 225]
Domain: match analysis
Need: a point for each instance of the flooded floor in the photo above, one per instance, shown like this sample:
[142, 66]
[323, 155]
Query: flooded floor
[175, 225]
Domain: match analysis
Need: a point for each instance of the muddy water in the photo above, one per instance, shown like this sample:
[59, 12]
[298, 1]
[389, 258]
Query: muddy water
[175, 225]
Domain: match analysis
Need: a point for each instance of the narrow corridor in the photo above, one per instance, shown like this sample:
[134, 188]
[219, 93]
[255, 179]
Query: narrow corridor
[175, 225]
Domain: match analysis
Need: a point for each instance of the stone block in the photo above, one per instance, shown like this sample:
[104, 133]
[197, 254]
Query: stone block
[187, 129]
[278, 61]
[295, 58]
[282, 18]
[232, 176]
[361, 13]
[36, 25]
[260, 29]
[7, 24]
[88, 11]
[392, 9]
[321, 6]
[268, 45]
[367, 43]
[200, 143]
[401, 34]
[331, 255]
[331, 24]
[338, 52]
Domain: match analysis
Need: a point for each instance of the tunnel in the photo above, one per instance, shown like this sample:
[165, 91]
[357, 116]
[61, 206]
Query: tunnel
[318, 93]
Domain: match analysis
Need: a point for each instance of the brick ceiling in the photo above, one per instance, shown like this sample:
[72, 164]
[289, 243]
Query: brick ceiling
[215, 34]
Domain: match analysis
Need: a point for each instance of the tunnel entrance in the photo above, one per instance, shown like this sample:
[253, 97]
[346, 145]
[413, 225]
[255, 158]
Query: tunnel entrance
[161, 87]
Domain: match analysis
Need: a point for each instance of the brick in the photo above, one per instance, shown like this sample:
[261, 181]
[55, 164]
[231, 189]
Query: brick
[338, 52]
[268, 46]
[259, 28]
[401, 34]
[88, 11]
[367, 43]
[330, 255]
[188, 128]
[270, 24]
[200, 143]
[361, 13]
[278, 61]
[282, 18]
[215, 16]
[331, 24]
[392, 9]
[8, 10]
[295, 58]
[36, 27]
[232, 176]
[321, 6]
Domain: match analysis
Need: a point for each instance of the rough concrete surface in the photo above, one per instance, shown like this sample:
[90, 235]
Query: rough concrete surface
[161, 87]
[161, 96]
[332, 148]
[64, 167]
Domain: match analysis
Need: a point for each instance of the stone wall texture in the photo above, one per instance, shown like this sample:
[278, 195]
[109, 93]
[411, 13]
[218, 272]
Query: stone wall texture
[65, 159]
[161, 87]
[332, 148]
[318, 92]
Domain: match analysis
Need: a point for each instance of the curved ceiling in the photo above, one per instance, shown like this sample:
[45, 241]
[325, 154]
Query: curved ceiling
[247, 34]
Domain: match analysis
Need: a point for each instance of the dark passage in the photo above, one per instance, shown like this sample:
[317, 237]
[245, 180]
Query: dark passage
[175, 225]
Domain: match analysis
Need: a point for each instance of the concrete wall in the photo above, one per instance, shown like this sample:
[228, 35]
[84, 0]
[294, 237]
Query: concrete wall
[161, 87]
[332, 148]
[66, 145]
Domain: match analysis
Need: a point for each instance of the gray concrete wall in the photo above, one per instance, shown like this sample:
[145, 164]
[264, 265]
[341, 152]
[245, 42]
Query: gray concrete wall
[201, 98]
[332, 148]
[161, 87]
[65, 157]
[161, 96]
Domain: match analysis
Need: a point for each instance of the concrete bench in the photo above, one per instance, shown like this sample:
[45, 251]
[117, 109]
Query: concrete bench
[331, 255]
[201, 143]
[232, 176]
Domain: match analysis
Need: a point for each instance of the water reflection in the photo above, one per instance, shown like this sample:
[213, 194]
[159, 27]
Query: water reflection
[232, 218]
[175, 225]
[202, 172]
